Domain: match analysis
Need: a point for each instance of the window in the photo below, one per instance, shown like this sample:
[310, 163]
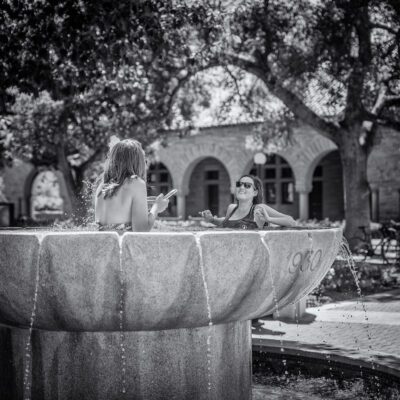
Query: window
[278, 180]
[212, 175]
[286, 172]
[164, 177]
[160, 181]
[270, 173]
[318, 172]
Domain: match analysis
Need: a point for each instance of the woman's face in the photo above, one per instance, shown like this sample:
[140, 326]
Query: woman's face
[245, 189]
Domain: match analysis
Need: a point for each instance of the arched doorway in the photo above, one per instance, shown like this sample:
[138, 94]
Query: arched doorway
[46, 201]
[327, 195]
[209, 188]
[160, 181]
[278, 182]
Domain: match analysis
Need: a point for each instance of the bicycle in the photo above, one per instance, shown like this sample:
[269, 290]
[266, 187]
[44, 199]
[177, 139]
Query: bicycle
[392, 245]
[387, 237]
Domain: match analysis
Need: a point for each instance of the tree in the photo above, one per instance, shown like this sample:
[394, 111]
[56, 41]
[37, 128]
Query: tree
[75, 72]
[334, 64]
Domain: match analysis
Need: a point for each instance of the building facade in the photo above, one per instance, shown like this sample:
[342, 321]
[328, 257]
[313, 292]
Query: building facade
[303, 179]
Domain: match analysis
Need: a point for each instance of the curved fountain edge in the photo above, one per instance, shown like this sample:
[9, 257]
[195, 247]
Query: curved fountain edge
[226, 271]
[164, 285]
[383, 363]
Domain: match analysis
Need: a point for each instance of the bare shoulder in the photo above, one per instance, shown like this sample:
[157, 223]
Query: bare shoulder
[230, 208]
[135, 185]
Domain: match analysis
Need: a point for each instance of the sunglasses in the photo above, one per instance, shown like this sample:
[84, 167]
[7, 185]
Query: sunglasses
[247, 185]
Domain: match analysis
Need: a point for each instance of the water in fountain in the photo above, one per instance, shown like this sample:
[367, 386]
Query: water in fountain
[121, 318]
[28, 346]
[345, 253]
[275, 297]
[209, 315]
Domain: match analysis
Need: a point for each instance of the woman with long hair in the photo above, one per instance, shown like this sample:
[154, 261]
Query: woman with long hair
[249, 211]
[121, 196]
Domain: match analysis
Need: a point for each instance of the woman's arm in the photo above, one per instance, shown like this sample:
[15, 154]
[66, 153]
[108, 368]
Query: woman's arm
[142, 220]
[217, 220]
[277, 218]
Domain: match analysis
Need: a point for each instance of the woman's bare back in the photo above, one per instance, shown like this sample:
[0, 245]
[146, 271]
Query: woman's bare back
[118, 208]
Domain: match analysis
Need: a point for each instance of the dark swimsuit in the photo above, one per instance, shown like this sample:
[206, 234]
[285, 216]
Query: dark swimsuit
[245, 223]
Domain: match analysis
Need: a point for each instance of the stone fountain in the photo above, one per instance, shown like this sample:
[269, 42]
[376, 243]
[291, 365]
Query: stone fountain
[95, 315]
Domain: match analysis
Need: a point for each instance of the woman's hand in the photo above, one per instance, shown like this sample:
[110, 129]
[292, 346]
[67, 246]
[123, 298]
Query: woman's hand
[207, 215]
[261, 216]
[161, 203]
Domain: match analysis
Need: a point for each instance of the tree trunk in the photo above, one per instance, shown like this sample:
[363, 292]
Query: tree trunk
[74, 188]
[356, 188]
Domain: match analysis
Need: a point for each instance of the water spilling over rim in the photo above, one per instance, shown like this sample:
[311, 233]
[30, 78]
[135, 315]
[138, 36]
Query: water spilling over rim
[164, 274]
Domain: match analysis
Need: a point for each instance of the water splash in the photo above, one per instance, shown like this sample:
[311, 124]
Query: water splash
[274, 295]
[121, 318]
[346, 254]
[209, 315]
[27, 379]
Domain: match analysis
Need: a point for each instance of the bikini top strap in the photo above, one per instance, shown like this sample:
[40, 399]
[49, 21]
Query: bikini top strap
[230, 215]
[251, 213]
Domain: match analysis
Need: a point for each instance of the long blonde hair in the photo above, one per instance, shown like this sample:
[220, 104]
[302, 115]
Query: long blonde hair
[125, 159]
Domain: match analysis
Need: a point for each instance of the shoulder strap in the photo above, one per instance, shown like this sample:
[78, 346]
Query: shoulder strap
[233, 210]
[251, 212]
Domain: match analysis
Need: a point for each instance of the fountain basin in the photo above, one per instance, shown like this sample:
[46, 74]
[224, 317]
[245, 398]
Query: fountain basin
[182, 300]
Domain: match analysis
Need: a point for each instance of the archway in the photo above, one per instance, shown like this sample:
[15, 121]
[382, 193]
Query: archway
[278, 183]
[46, 201]
[209, 188]
[327, 195]
[160, 181]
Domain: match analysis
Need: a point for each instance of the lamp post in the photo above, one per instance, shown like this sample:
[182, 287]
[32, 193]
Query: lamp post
[260, 158]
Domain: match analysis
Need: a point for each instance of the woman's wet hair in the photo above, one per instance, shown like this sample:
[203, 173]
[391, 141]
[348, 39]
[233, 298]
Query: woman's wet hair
[259, 199]
[124, 160]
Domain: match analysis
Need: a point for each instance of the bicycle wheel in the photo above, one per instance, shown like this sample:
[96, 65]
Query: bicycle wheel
[386, 250]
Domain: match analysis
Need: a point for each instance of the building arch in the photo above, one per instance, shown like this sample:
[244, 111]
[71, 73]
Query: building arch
[181, 158]
[278, 181]
[305, 158]
[209, 188]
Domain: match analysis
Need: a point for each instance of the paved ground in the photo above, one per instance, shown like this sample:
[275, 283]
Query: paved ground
[368, 331]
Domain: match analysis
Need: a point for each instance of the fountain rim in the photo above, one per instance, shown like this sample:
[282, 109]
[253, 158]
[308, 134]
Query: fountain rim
[211, 231]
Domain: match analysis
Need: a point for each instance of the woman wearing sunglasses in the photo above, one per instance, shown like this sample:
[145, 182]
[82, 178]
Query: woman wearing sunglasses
[249, 211]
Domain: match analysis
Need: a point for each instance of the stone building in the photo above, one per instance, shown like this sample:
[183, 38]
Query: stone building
[303, 180]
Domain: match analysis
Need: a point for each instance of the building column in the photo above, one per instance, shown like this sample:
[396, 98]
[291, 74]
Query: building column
[374, 203]
[304, 194]
[181, 206]
[181, 202]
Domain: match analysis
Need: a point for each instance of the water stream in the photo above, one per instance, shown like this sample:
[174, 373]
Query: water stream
[27, 379]
[209, 315]
[121, 318]
[345, 253]
[275, 297]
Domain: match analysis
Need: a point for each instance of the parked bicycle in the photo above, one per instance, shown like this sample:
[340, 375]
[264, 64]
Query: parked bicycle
[382, 240]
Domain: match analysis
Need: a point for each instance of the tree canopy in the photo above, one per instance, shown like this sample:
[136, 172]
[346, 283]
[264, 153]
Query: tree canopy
[75, 72]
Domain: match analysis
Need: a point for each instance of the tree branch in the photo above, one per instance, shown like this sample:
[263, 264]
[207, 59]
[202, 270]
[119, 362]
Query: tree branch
[377, 25]
[296, 105]
[388, 122]
[92, 158]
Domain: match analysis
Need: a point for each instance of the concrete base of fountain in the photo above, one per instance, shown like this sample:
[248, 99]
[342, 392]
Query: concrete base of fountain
[171, 364]
[75, 303]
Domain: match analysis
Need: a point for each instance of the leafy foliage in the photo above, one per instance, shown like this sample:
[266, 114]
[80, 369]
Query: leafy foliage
[74, 73]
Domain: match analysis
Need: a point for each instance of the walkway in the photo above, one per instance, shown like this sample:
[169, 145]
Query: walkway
[342, 329]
